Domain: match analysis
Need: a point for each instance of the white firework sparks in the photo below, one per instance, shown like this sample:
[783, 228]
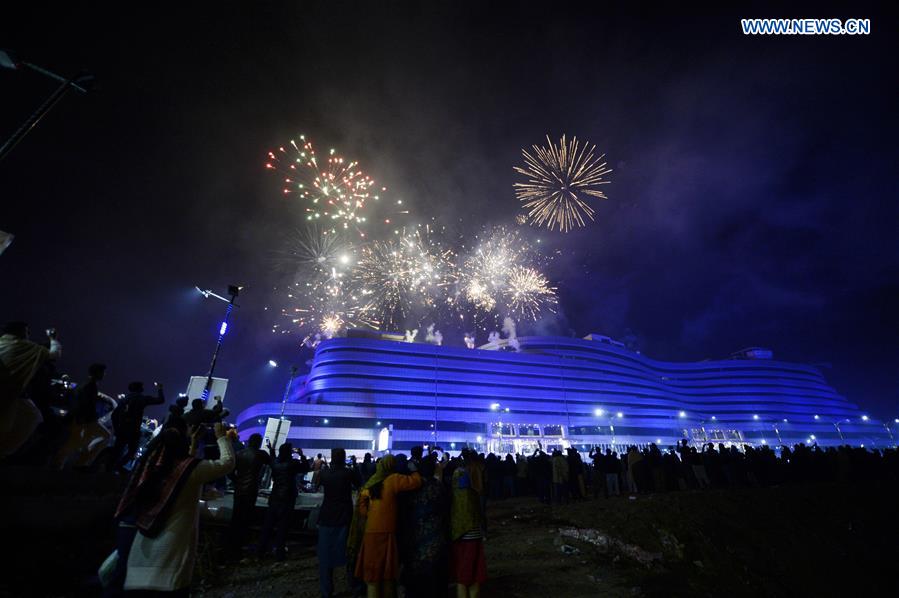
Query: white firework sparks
[560, 178]
[529, 293]
[396, 277]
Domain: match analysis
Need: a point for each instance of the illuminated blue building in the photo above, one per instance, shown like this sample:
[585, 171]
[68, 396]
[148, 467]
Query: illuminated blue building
[556, 391]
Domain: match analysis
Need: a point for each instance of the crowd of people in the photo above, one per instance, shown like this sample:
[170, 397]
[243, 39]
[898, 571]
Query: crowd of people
[49, 420]
[416, 521]
[420, 521]
[561, 477]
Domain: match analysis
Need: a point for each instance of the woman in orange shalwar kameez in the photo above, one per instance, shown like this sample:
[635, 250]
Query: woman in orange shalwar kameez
[378, 561]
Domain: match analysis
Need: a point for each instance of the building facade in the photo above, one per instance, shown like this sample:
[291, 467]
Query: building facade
[368, 394]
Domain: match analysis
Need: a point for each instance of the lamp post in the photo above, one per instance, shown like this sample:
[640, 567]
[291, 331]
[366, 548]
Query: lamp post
[233, 291]
[890, 432]
[681, 415]
[619, 415]
[705, 434]
[773, 427]
[80, 82]
[777, 432]
[498, 408]
[293, 373]
[836, 425]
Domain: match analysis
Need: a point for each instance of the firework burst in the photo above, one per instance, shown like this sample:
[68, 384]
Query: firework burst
[320, 296]
[560, 178]
[334, 190]
[316, 252]
[331, 325]
[529, 293]
[396, 278]
[486, 268]
[500, 276]
[323, 307]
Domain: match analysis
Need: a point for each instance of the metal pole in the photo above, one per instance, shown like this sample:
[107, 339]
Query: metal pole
[837, 426]
[293, 373]
[218, 346]
[435, 396]
[564, 394]
[35, 117]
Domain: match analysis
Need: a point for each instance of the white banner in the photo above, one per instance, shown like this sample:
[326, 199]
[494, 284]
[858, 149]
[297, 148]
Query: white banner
[271, 428]
[198, 383]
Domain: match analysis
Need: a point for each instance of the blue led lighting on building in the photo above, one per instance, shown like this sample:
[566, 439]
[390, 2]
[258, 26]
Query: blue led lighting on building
[557, 392]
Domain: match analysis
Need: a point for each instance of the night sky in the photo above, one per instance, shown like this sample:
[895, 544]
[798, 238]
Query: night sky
[753, 203]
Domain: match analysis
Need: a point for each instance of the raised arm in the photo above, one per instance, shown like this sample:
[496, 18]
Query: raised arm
[212, 469]
[159, 399]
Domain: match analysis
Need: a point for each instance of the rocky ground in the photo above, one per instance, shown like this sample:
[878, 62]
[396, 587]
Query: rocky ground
[785, 541]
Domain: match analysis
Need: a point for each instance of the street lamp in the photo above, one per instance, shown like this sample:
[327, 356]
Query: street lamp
[293, 373]
[676, 426]
[836, 425]
[773, 426]
[80, 82]
[599, 412]
[496, 407]
[234, 291]
[890, 432]
[777, 432]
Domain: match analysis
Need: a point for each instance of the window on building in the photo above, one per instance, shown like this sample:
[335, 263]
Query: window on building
[498, 429]
[552, 430]
[528, 430]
